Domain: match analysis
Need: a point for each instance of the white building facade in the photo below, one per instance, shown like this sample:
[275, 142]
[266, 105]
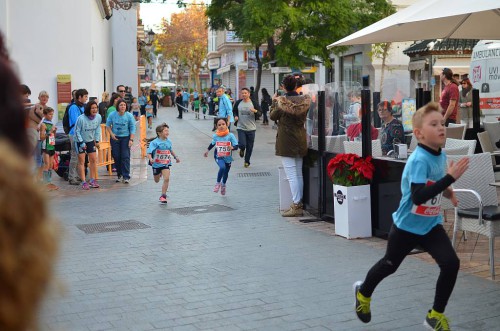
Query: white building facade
[86, 39]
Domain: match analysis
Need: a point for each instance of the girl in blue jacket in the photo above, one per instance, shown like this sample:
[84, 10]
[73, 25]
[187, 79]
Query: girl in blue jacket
[224, 142]
[87, 137]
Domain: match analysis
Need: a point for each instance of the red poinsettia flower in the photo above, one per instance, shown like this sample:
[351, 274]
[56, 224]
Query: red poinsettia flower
[350, 170]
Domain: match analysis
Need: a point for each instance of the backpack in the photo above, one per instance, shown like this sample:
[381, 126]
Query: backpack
[66, 127]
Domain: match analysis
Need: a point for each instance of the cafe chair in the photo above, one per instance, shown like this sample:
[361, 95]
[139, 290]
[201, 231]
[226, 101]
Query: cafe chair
[457, 143]
[413, 142]
[478, 209]
[461, 128]
[333, 144]
[354, 147]
[457, 150]
[455, 132]
[493, 129]
[487, 147]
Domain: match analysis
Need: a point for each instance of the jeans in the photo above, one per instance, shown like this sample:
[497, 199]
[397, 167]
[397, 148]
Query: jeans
[293, 171]
[400, 243]
[73, 162]
[121, 154]
[245, 142]
[265, 120]
[223, 170]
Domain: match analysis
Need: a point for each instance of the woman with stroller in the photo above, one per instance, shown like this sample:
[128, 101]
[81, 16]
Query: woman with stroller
[87, 136]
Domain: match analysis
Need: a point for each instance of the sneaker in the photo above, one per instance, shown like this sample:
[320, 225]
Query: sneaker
[242, 153]
[362, 304]
[118, 179]
[223, 190]
[126, 181]
[163, 199]
[436, 321]
[94, 184]
[216, 188]
[74, 182]
[247, 164]
[85, 186]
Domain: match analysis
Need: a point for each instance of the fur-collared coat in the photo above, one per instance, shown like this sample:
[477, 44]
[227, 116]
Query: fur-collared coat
[290, 112]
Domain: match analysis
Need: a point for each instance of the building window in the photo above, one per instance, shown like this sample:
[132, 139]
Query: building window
[352, 68]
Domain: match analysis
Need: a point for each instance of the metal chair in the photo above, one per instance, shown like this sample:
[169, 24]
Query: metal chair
[333, 144]
[453, 125]
[457, 150]
[478, 209]
[457, 143]
[356, 148]
[413, 142]
[487, 147]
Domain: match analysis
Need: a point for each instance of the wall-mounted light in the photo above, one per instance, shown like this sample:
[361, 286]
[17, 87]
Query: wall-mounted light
[122, 4]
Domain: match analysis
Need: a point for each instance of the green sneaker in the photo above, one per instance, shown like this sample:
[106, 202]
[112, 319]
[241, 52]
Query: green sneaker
[362, 304]
[436, 321]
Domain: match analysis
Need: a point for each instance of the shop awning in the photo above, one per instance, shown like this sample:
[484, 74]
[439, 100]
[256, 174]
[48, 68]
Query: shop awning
[416, 65]
[459, 65]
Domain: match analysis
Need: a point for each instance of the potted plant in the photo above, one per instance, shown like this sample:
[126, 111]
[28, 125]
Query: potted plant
[351, 176]
[166, 101]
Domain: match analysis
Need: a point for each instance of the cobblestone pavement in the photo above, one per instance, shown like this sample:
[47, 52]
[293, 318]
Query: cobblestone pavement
[212, 262]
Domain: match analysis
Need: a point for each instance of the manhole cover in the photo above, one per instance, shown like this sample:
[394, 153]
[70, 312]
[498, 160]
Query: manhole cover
[111, 226]
[253, 174]
[200, 209]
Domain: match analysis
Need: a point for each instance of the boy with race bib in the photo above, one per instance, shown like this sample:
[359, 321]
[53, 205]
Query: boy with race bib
[160, 156]
[426, 179]
[224, 142]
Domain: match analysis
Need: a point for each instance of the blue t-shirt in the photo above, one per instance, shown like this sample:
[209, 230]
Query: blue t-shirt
[87, 130]
[223, 146]
[422, 168]
[225, 108]
[74, 112]
[161, 152]
[122, 126]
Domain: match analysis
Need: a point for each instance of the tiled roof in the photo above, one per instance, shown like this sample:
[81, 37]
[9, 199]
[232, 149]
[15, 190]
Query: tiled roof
[438, 45]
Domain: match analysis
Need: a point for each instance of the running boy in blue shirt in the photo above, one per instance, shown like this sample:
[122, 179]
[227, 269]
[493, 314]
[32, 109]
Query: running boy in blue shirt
[160, 155]
[224, 142]
[418, 220]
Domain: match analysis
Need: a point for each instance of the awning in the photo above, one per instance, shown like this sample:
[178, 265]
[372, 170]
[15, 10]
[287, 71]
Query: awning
[222, 70]
[459, 65]
[416, 65]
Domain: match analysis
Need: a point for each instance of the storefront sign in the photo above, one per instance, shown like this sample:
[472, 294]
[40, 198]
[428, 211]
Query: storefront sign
[280, 70]
[227, 58]
[214, 63]
[232, 38]
[63, 94]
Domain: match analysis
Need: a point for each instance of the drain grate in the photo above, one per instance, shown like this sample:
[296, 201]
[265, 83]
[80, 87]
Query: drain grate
[112, 226]
[200, 209]
[253, 174]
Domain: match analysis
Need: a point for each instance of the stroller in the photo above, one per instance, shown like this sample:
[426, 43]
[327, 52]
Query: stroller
[63, 155]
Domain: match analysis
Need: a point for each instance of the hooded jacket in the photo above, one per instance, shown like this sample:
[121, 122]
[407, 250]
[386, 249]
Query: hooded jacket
[290, 112]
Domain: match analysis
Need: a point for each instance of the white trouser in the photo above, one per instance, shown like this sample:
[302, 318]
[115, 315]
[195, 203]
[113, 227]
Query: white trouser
[293, 171]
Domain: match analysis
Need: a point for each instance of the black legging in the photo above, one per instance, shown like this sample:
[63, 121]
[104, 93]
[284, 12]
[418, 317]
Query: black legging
[179, 109]
[400, 243]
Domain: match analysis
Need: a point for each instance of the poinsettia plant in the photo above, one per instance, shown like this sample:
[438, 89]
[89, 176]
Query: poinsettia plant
[350, 170]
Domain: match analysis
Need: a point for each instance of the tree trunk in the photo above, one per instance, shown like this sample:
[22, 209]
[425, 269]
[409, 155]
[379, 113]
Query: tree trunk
[385, 52]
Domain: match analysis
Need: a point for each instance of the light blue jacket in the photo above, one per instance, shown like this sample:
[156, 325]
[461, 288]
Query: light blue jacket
[87, 130]
[74, 112]
[121, 125]
[225, 108]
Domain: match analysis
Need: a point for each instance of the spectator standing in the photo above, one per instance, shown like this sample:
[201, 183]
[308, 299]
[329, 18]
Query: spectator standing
[244, 112]
[48, 138]
[36, 116]
[178, 102]
[185, 100]
[290, 112]
[264, 105]
[143, 100]
[153, 96]
[112, 104]
[122, 91]
[466, 101]
[128, 96]
[392, 129]
[74, 112]
[449, 97]
[103, 106]
[136, 108]
[87, 137]
[225, 106]
[121, 127]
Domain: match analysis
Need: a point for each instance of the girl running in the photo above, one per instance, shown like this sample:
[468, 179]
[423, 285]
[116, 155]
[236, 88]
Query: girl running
[225, 142]
[159, 155]
[87, 136]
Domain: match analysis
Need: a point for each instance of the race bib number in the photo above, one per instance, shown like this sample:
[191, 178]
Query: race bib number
[431, 207]
[162, 157]
[223, 148]
[52, 139]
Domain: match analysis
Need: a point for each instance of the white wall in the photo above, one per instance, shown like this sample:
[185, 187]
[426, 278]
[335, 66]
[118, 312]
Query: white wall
[124, 43]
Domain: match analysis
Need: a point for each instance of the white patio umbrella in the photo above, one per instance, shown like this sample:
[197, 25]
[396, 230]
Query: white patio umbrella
[433, 19]
[164, 84]
[146, 84]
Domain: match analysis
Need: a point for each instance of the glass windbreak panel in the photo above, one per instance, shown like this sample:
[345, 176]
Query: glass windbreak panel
[312, 115]
[396, 108]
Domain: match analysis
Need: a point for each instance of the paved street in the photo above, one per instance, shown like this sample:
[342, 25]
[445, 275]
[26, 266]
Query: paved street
[212, 262]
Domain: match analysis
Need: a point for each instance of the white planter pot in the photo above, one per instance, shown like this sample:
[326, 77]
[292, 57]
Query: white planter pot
[352, 209]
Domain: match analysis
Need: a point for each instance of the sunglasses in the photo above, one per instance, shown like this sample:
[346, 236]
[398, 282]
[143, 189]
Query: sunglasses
[121, 91]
